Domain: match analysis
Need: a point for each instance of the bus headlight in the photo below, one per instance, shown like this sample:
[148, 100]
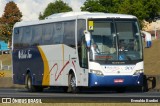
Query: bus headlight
[137, 72]
[97, 72]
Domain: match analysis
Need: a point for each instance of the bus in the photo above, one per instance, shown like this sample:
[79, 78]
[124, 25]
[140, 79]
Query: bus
[78, 49]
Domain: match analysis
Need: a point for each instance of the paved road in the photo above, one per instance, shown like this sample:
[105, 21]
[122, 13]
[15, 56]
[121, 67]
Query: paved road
[52, 93]
[54, 96]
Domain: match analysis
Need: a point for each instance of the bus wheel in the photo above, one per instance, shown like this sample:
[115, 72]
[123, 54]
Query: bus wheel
[72, 84]
[30, 87]
[28, 84]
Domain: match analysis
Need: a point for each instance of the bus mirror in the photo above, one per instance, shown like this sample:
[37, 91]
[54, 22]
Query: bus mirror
[87, 38]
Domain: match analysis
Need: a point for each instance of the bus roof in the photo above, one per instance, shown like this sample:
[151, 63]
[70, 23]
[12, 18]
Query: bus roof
[71, 16]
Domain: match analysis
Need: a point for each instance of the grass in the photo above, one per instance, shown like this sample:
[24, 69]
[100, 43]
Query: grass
[152, 59]
[6, 59]
[5, 73]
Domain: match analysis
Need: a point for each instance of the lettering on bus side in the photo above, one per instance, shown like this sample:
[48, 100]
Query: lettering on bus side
[24, 54]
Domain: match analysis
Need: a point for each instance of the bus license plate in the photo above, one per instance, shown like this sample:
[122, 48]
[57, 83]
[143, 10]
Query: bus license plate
[118, 80]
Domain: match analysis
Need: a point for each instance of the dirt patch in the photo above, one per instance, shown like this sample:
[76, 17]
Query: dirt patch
[152, 59]
[6, 59]
[7, 82]
[5, 73]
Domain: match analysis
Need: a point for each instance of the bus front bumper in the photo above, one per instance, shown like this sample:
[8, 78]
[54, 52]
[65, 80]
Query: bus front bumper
[119, 80]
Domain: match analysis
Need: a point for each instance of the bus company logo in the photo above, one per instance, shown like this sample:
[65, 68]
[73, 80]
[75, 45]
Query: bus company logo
[24, 54]
[127, 68]
[18, 100]
[119, 68]
[6, 100]
[113, 68]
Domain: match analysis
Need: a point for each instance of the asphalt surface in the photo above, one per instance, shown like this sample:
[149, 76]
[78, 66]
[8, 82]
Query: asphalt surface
[50, 96]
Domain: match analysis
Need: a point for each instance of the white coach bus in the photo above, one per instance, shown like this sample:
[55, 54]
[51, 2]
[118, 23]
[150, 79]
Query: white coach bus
[78, 49]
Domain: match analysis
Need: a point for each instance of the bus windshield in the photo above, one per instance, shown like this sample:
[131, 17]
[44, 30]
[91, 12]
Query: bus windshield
[115, 40]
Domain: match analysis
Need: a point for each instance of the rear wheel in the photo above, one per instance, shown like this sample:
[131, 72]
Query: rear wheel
[72, 84]
[30, 87]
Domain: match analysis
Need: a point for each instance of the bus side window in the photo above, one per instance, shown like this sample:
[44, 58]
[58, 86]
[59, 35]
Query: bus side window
[59, 31]
[20, 37]
[47, 34]
[27, 36]
[58, 34]
[69, 33]
[84, 53]
[81, 26]
[16, 37]
[37, 35]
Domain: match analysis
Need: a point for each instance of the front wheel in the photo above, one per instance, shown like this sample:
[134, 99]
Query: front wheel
[72, 84]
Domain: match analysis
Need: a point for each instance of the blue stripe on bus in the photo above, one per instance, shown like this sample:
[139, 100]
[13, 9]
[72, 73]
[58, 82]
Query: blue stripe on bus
[128, 80]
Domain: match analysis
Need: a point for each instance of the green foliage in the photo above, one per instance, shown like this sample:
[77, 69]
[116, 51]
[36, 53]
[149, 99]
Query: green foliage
[107, 6]
[93, 6]
[143, 9]
[11, 15]
[55, 7]
[152, 8]
[111, 6]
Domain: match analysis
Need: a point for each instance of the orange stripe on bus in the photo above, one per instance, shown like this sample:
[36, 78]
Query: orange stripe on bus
[46, 77]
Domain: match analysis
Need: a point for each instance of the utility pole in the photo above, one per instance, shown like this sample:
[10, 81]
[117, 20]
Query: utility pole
[1, 65]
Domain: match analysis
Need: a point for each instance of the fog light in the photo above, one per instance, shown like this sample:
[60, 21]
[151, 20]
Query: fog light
[95, 83]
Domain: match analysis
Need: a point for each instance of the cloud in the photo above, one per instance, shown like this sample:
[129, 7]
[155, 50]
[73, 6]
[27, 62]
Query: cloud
[2, 6]
[31, 8]
[75, 4]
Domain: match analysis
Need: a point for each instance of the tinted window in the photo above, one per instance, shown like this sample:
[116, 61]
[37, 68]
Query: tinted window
[16, 37]
[18, 32]
[37, 35]
[81, 26]
[48, 34]
[69, 33]
[27, 36]
[59, 31]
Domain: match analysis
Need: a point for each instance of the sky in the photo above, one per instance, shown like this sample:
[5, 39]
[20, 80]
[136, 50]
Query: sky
[31, 8]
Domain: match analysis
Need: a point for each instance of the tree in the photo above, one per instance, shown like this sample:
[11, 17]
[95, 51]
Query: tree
[111, 6]
[56, 7]
[92, 6]
[143, 9]
[11, 15]
[107, 6]
[152, 8]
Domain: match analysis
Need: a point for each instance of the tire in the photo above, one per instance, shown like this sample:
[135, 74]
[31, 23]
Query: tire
[72, 88]
[30, 87]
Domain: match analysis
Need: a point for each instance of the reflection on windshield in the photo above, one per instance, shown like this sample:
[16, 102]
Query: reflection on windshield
[120, 41]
